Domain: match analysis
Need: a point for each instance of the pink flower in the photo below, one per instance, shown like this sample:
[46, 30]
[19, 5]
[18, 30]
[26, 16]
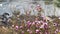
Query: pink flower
[37, 25]
[17, 27]
[56, 31]
[45, 23]
[28, 30]
[21, 27]
[54, 24]
[59, 30]
[33, 23]
[36, 21]
[42, 26]
[22, 32]
[28, 21]
[29, 24]
[45, 26]
[38, 7]
[39, 22]
[37, 31]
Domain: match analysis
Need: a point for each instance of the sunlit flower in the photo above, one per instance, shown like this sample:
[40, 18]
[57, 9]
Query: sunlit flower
[12, 25]
[28, 30]
[17, 27]
[37, 31]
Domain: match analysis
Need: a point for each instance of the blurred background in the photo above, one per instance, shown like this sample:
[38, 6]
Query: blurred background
[50, 7]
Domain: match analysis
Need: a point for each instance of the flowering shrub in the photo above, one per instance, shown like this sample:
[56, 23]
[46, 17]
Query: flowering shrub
[22, 25]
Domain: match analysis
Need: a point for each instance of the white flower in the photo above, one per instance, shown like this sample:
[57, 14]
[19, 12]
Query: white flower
[54, 24]
[37, 30]
[28, 30]
[59, 18]
[12, 25]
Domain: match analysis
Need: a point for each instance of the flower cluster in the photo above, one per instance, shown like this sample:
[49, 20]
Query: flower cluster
[43, 26]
